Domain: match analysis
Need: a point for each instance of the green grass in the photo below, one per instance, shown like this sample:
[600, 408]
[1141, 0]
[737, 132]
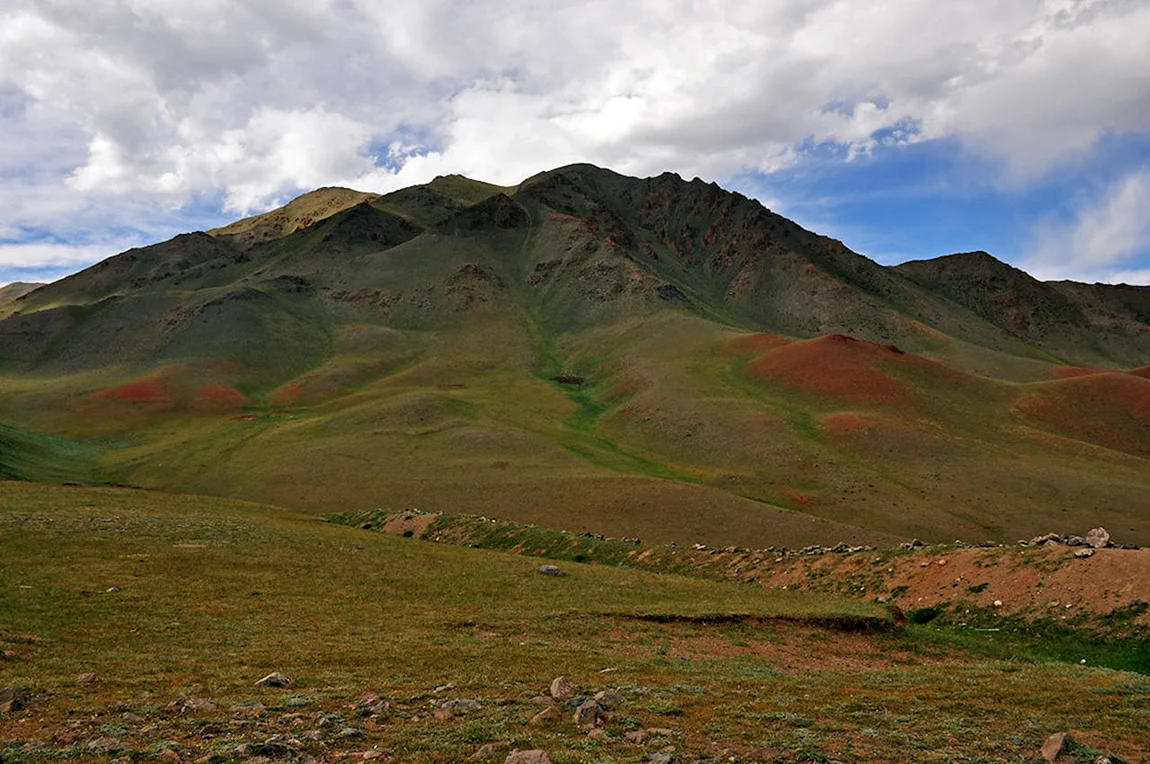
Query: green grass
[171, 597]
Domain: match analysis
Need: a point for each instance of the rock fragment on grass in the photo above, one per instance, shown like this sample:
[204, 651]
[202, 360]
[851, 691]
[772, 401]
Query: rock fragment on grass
[664, 758]
[197, 704]
[1098, 538]
[87, 678]
[12, 700]
[104, 744]
[528, 757]
[551, 570]
[274, 679]
[1057, 747]
[588, 714]
[563, 688]
[609, 699]
[546, 715]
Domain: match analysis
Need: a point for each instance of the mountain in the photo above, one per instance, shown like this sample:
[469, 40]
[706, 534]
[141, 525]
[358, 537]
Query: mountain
[651, 357]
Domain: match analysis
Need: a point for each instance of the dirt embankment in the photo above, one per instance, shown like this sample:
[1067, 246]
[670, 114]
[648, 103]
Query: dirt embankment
[1043, 580]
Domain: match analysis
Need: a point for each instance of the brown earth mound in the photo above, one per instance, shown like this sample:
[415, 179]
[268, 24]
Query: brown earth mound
[837, 366]
[148, 390]
[220, 398]
[1110, 409]
[1142, 372]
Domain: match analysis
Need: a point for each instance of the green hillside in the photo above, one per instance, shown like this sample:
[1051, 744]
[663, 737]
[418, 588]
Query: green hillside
[588, 351]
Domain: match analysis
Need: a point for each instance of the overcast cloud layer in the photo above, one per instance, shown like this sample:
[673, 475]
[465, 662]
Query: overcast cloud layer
[127, 120]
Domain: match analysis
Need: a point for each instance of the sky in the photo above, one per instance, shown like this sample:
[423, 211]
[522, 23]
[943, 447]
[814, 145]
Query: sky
[906, 128]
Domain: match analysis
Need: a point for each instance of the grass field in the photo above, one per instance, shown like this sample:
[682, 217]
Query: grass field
[172, 600]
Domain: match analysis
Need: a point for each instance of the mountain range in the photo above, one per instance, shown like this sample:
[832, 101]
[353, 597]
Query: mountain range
[645, 357]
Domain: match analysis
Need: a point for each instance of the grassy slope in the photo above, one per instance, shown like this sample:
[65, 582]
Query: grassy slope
[168, 598]
[354, 364]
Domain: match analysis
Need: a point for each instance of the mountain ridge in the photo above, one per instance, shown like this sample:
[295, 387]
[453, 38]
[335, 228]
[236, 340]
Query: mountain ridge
[586, 349]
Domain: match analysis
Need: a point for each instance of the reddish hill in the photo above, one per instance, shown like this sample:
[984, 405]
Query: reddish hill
[1142, 372]
[840, 367]
[1110, 409]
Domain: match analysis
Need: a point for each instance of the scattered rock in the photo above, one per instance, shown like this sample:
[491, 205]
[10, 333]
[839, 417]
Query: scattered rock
[1098, 538]
[1056, 746]
[528, 757]
[274, 679]
[443, 714]
[197, 704]
[372, 755]
[88, 678]
[636, 736]
[169, 755]
[445, 687]
[457, 706]
[587, 714]
[551, 570]
[609, 699]
[128, 716]
[563, 688]
[1082, 554]
[104, 744]
[664, 758]
[576, 701]
[546, 715]
[350, 733]
[12, 700]
[490, 750]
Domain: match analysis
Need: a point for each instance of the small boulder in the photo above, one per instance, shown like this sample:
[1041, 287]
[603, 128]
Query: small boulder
[551, 570]
[197, 704]
[12, 700]
[528, 757]
[274, 679]
[546, 715]
[490, 750]
[1082, 554]
[563, 688]
[87, 678]
[609, 699]
[1056, 746]
[1098, 538]
[664, 758]
[588, 714]
[104, 744]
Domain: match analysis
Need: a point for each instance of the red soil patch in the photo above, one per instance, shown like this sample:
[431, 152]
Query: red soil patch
[1143, 372]
[1111, 409]
[287, 395]
[837, 366]
[798, 498]
[846, 423]
[216, 397]
[150, 390]
[748, 344]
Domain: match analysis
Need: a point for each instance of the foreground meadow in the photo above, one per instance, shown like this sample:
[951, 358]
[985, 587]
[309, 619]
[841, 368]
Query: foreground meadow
[134, 625]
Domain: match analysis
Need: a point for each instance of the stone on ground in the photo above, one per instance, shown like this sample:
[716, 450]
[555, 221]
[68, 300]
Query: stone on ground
[274, 679]
[563, 688]
[528, 757]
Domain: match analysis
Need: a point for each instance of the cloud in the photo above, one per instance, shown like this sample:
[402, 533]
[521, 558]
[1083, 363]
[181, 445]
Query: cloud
[158, 103]
[1104, 239]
